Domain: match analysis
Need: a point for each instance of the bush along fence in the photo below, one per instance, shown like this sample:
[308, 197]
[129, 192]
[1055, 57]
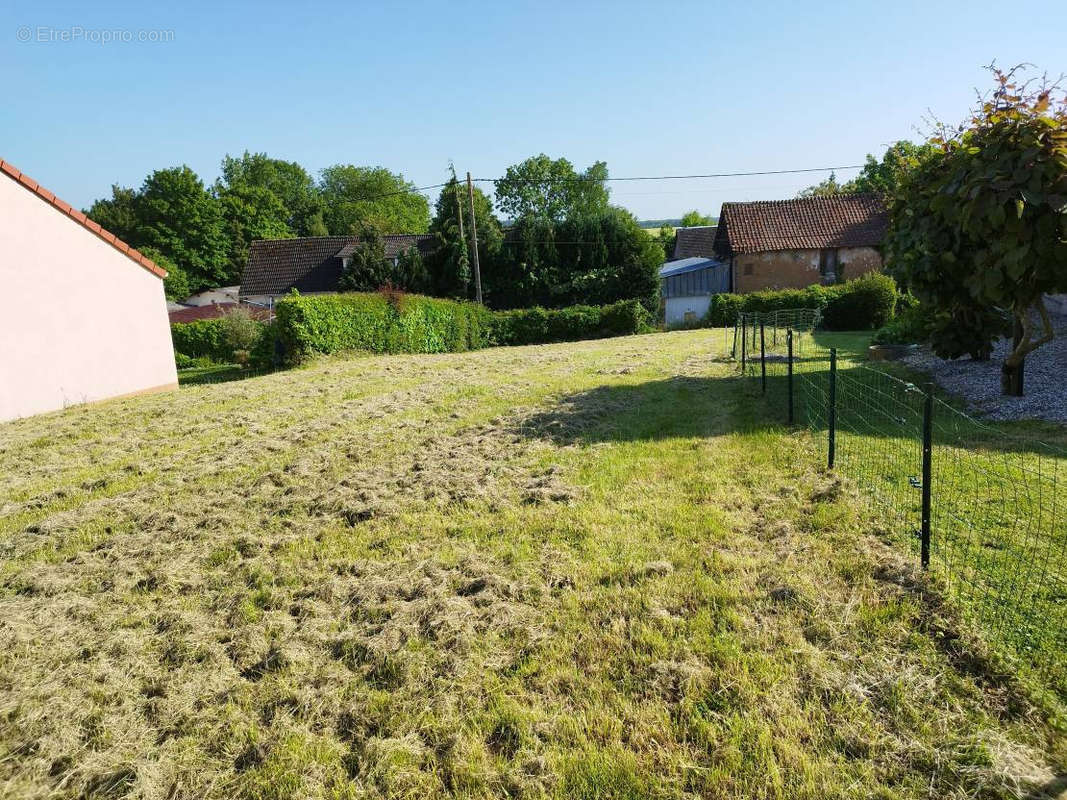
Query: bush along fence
[983, 508]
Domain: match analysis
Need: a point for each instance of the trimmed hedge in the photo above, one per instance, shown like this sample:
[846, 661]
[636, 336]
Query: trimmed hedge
[204, 338]
[541, 326]
[362, 321]
[403, 323]
[865, 303]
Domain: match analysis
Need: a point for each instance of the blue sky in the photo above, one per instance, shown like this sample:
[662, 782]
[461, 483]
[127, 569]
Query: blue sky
[673, 89]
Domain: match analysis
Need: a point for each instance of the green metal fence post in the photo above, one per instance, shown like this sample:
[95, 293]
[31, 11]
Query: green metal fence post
[928, 447]
[789, 343]
[762, 359]
[744, 344]
[832, 446]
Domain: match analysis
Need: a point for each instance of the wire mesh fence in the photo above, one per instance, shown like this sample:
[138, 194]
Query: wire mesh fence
[982, 507]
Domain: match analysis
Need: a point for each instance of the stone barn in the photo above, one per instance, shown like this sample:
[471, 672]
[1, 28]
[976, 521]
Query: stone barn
[790, 244]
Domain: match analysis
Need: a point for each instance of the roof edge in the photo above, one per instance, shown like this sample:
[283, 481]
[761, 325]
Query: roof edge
[30, 184]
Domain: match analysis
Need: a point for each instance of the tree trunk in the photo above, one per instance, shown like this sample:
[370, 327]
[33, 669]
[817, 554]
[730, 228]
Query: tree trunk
[1011, 375]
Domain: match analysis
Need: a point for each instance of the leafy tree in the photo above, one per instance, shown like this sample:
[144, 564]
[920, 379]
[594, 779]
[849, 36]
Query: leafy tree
[119, 214]
[357, 196]
[176, 284]
[979, 229]
[250, 213]
[288, 181]
[667, 238]
[410, 272]
[450, 265]
[877, 176]
[552, 190]
[827, 188]
[367, 270]
[694, 218]
[179, 217]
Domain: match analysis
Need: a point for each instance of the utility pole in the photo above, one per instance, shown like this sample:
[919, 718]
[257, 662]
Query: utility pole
[474, 243]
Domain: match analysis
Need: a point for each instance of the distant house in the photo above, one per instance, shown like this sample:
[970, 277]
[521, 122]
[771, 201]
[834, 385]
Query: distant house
[695, 242]
[782, 244]
[210, 297]
[59, 269]
[687, 285]
[311, 264]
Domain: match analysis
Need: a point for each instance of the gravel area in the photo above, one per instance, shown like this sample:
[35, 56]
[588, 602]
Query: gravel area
[978, 382]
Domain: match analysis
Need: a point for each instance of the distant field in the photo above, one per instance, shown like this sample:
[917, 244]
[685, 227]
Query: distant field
[587, 570]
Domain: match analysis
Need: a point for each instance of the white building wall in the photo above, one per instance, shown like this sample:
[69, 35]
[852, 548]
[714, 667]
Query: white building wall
[677, 307]
[79, 321]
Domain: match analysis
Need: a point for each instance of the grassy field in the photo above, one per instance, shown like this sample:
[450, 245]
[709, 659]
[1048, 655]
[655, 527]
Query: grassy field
[571, 571]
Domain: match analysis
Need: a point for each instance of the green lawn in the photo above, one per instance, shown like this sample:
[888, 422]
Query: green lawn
[569, 571]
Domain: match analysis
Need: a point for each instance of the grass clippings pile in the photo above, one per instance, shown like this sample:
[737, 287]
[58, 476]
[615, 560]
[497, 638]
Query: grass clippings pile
[569, 571]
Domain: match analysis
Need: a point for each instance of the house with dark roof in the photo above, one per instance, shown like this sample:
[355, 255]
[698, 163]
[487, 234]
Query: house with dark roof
[695, 242]
[790, 244]
[84, 317]
[311, 265]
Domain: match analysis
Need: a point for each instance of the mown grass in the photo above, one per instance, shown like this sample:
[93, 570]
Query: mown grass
[573, 571]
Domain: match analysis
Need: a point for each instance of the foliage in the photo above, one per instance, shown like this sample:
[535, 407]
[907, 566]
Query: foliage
[909, 326]
[118, 214]
[371, 322]
[182, 361]
[240, 331]
[251, 212]
[877, 177]
[367, 268]
[450, 266]
[541, 326]
[552, 190]
[865, 303]
[667, 238]
[693, 219]
[176, 284]
[203, 338]
[289, 182]
[982, 226]
[410, 272]
[354, 197]
[179, 217]
[593, 259]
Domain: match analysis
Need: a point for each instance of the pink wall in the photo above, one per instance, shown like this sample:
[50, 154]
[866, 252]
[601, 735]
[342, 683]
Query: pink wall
[79, 321]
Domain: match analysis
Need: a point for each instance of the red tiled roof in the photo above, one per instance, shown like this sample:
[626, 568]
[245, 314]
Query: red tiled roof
[213, 311]
[134, 255]
[807, 223]
[311, 263]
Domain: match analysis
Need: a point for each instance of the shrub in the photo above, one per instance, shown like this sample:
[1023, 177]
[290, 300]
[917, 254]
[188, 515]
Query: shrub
[203, 338]
[907, 327]
[182, 361]
[240, 331]
[861, 304]
[540, 326]
[399, 323]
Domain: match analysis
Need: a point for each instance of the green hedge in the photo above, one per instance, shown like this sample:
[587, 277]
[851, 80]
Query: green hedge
[203, 338]
[540, 325]
[865, 303]
[414, 324]
[374, 322]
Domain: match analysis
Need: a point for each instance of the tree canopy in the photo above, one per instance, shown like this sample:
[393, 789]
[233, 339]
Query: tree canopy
[878, 176]
[979, 229]
[551, 189]
[693, 219]
[289, 182]
[450, 267]
[355, 196]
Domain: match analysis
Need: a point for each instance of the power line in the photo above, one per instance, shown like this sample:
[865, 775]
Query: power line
[581, 179]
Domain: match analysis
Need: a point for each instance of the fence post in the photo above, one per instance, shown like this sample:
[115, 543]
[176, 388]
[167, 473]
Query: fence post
[928, 447]
[744, 344]
[762, 359]
[789, 343]
[832, 448]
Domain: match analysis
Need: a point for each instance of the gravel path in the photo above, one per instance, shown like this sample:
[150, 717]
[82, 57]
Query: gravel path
[979, 381]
